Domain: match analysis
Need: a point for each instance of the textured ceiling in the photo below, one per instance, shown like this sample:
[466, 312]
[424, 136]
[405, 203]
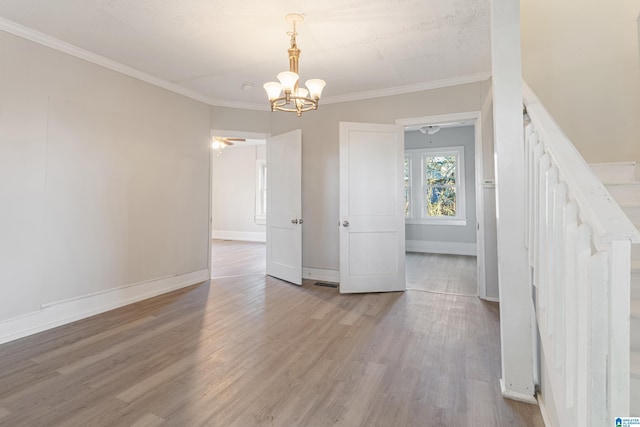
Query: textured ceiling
[212, 47]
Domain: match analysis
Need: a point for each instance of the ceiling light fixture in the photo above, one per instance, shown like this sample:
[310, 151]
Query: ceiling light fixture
[286, 95]
[429, 129]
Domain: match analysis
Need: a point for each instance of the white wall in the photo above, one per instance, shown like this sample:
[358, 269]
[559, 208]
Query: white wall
[104, 183]
[581, 59]
[234, 193]
[448, 137]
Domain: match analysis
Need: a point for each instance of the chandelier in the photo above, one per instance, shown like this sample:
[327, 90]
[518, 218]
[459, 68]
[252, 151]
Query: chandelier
[286, 95]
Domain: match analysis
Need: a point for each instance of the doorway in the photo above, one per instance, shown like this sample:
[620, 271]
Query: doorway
[237, 217]
[444, 203]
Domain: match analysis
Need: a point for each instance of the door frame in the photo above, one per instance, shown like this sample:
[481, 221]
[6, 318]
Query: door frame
[476, 118]
[229, 134]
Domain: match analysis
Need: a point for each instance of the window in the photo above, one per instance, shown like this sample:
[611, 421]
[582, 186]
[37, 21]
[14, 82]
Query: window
[261, 191]
[440, 185]
[434, 186]
[407, 187]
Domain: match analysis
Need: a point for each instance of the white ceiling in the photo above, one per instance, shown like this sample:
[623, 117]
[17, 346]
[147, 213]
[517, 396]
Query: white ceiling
[211, 47]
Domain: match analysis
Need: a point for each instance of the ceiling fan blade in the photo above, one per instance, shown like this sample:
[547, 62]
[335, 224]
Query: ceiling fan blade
[236, 139]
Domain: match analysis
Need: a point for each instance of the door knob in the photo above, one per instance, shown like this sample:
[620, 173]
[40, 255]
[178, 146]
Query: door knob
[345, 224]
[294, 221]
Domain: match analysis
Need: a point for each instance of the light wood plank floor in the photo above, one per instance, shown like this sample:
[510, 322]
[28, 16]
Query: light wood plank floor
[453, 274]
[254, 351]
[236, 258]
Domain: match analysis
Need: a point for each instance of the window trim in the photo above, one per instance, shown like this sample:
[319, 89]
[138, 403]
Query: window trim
[418, 210]
[408, 156]
[260, 217]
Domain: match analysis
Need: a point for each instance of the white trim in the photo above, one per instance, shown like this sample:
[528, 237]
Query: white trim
[260, 216]
[543, 411]
[400, 90]
[246, 236]
[439, 119]
[479, 181]
[228, 133]
[619, 164]
[514, 395]
[321, 274]
[60, 313]
[436, 220]
[435, 247]
[210, 207]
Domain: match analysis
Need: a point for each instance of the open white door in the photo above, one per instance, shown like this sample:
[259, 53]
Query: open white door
[284, 206]
[372, 257]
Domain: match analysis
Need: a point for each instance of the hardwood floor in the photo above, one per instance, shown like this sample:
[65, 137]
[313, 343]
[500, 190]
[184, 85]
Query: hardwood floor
[236, 258]
[255, 351]
[453, 274]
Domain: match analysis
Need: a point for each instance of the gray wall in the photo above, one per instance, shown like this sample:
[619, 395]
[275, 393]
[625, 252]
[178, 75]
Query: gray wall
[104, 181]
[320, 163]
[448, 137]
[241, 120]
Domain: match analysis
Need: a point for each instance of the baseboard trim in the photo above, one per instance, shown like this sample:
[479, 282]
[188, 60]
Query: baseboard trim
[321, 274]
[246, 236]
[60, 313]
[543, 411]
[434, 247]
[514, 395]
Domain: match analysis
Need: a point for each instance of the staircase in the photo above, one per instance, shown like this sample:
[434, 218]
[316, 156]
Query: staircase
[623, 183]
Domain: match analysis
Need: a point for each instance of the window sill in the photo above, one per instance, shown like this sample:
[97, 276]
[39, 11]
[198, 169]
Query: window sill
[436, 221]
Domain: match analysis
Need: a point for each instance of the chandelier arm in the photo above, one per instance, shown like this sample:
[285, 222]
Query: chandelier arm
[280, 104]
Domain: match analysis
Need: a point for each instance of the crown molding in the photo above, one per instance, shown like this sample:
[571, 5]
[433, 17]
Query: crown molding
[242, 105]
[400, 90]
[57, 44]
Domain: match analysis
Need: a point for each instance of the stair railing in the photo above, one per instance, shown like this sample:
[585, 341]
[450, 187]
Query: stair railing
[578, 241]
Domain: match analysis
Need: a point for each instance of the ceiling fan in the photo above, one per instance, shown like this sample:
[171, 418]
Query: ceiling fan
[219, 142]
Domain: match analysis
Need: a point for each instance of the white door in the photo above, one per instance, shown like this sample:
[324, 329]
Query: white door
[372, 257]
[284, 206]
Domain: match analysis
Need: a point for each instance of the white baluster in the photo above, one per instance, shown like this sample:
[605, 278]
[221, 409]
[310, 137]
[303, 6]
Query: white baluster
[598, 346]
[534, 156]
[583, 252]
[619, 291]
[538, 152]
[571, 291]
[528, 148]
[558, 243]
[549, 249]
[540, 271]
